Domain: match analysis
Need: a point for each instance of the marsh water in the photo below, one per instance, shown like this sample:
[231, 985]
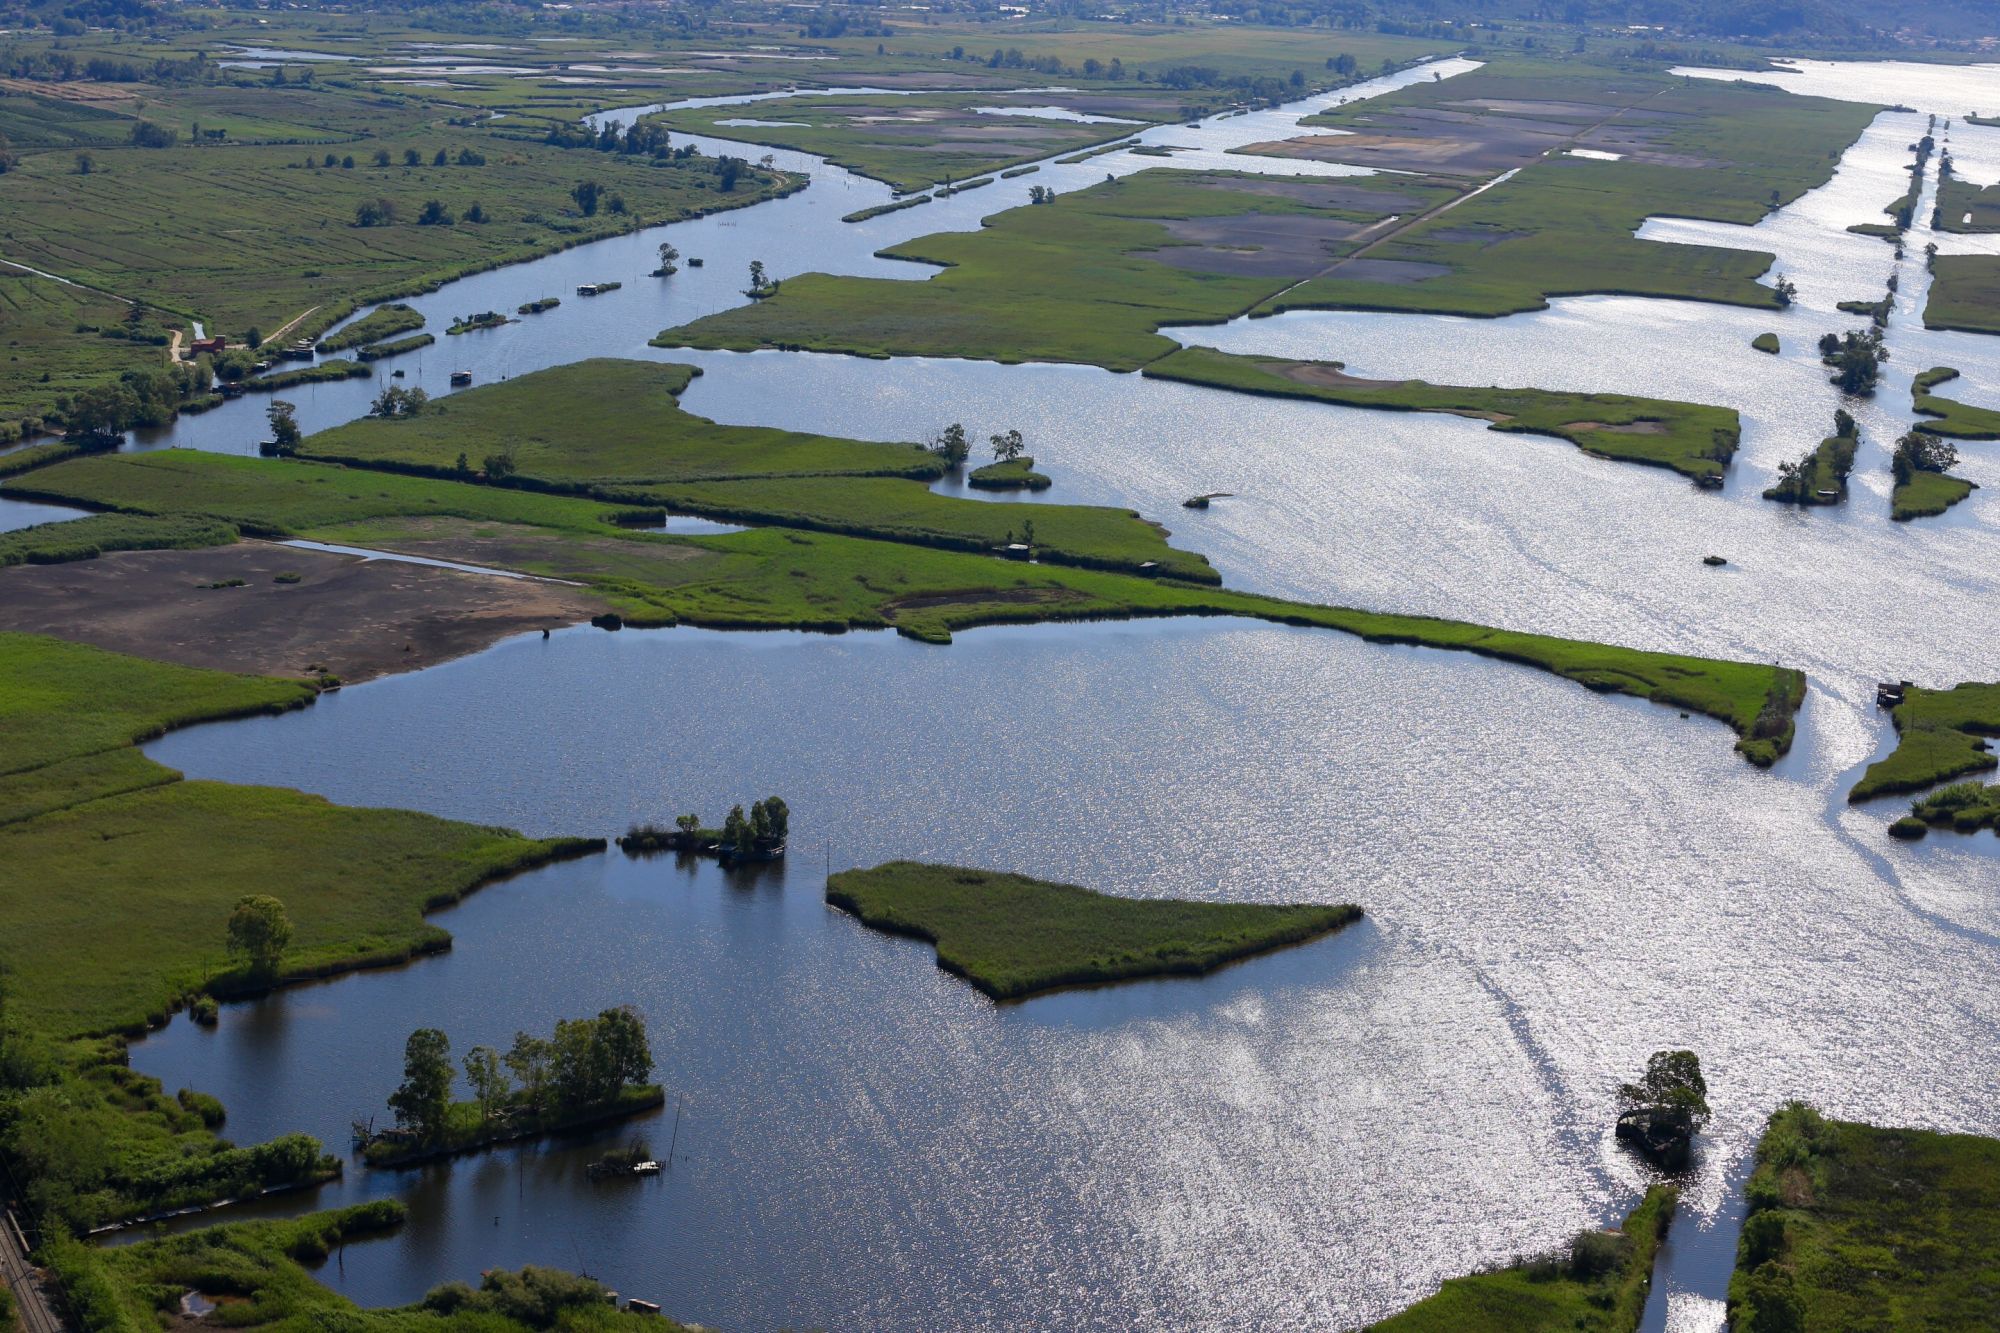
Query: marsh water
[1556, 883]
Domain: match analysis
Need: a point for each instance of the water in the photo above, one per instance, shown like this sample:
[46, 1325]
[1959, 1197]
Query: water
[1557, 883]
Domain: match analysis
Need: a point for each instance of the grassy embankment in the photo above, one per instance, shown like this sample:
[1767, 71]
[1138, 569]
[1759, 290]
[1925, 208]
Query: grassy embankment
[1689, 438]
[396, 347]
[277, 237]
[773, 578]
[1600, 1286]
[375, 326]
[93, 832]
[1566, 226]
[262, 1273]
[1961, 421]
[1926, 495]
[1964, 807]
[1863, 1228]
[467, 1129]
[1940, 735]
[1965, 294]
[1012, 936]
[89, 537]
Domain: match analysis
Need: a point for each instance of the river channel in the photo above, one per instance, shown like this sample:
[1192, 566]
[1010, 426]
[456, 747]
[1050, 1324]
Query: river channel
[1556, 883]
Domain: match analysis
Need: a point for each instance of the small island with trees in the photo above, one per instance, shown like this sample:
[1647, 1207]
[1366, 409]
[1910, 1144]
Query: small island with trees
[1012, 936]
[591, 1071]
[757, 836]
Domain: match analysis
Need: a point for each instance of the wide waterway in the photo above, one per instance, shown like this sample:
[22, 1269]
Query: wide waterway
[1557, 883]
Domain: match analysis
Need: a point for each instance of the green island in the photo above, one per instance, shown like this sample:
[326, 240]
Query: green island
[377, 325]
[394, 347]
[261, 1273]
[1940, 735]
[1011, 936]
[1009, 474]
[591, 1072]
[1766, 342]
[92, 830]
[1965, 294]
[1925, 488]
[1820, 477]
[1964, 207]
[1961, 421]
[842, 552]
[1856, 1226]
[1693, 440]
[1964, 807]
[1598, 1286]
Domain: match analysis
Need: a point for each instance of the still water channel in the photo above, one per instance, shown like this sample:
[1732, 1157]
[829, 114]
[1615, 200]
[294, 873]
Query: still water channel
[1556, 883]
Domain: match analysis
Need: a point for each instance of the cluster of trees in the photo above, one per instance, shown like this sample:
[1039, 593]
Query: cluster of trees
[98, 416]
[642, 139]
[1856, 357]
[442, 158]
[828, 22]
[590, 196]
[383, 213]
[145, 134]
[1666, 1108]
[954, 446]
[588, 1063]
[1798, 480]
[763, 830]
[394, 402]
[284, 442]
[1041, 194]
[1921, 451]
[53, 65]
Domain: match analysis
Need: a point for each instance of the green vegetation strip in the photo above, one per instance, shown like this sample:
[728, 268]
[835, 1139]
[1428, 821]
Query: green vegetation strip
[1927, 494]
[1015, 474]
[1965, 294]
[1012, 936]
[1693, 440]
[1961, 421]
[264, 1272]
[1855, 1226]
[468, 1128]
[1965, 807]
[1941, 734]
[1598, 1286]
[384, 322]
[89, 537]
[382, 351]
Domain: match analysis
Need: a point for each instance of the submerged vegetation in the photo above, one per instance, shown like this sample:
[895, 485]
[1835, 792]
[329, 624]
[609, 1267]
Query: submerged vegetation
[1852, 1226]
[1599, 1285]
[1012, 936]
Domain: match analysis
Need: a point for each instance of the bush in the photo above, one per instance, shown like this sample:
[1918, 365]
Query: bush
[203, 1104]
[1593, 1254]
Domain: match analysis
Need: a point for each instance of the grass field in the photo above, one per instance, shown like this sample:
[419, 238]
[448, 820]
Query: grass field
[1868, 1229]
[89, 537]
[1940, 735]
[1086, 279]
[383, 322]
[1927, 494]
[1012, 936]
[1965, 207]
[1565, 225]
[39, 318]
[777, 578]
[1959, 420]
[1600, 1286]
[1965, 294]
[261, 1268]
[1693, 440]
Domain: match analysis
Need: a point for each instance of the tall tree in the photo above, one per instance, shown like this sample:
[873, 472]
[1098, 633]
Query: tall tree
[424, 1099]
[259, 932]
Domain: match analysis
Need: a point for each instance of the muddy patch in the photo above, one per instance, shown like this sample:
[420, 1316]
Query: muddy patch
[1315, 194]
[1481, 236]
[1329, 374]
[1640, 427]
[984, 597]
[1285, 245]
[1396, 272]
[352, 617]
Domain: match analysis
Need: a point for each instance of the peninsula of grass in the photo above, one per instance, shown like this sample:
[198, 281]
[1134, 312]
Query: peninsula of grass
[1940, 735]
[1012, 937]
[1965, 294]
[485, 319]
[893, 206]
[383, 351]
[540, 305]
[1854, 1226]
[1965, 207]
[375, 326]
[318, 373]
[1820, 478]
[1961, 421]
[1599, 1285]
[91, 536]
[1927, 494]
[1766, 342]
[1965, 807]
[788, 579]
[1693, 440]
[261, 1273]
[468, 1128]
[1014, 474]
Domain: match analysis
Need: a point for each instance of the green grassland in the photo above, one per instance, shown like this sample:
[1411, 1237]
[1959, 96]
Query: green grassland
[1927, 494]
[91, 536]
[1012, 936]
[42, 354]
[779, 578]
[1867, 1229]
[1959, 199]
[262, 1268]
[1940, 734]
[1965, 807]
[1565, 226]
[1959, 420]
[383, 322]
[1600, 1286]
[1692, 439]
[1014, 474]
[1072, 281]
[1965, 294]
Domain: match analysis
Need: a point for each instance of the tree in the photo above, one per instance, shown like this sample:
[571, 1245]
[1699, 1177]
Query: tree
[285, 433]
[669, 260]
[529, 1061]
[1920, 451]
[253, 336]
[626, 1056]
[381, 157]
[1785, 289]
[488, 1077]
[780, 816]
[757, 275]
[727, 171]
[374, 213]
[347, 163]
[8, 159]
[586, 194]
[951, 445]
[424, 1099]
[145, 134]
[85, 164]
[259, 933]
[1672, 1089]
[441, 159]
[434, 214]
[412, 158]
[1008, 447]
[689, 825]
[1843, 422]
[475, 214]
[500, 466]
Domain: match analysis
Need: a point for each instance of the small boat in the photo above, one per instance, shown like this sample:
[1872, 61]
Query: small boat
[461, 378]
[646, 1169]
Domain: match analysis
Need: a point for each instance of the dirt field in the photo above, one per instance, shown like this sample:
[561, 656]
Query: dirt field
[1287, 245]
[354, 618]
